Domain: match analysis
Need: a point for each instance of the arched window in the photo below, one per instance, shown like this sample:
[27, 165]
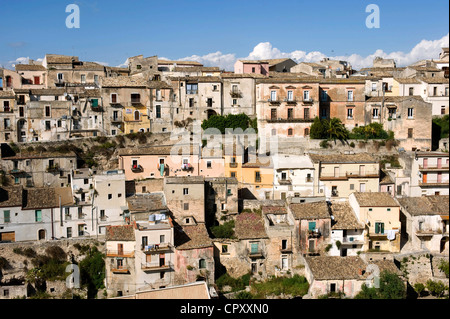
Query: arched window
[290, 132]
[202, 263]
[137, 115]
[307, 131]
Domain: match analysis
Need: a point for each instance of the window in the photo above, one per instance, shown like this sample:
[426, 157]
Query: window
[352, 186]
[273, 95]
[411, 91]
[306, 95]
[350, 113]
[374, 86]
[410, 113]
[191, 88]
[290, 95]
[306, 132]
[47, 111]
[232, 174]
[257, 177]
[202, 263]
[113, 98]
[224, 249]
[306, 113]
[234, 101]
[191, 102]
[290, 114]
[83, 78]
[324, 96]
[392, 113]
[158, 111]
[38, 215]
[47, 125]
[80, 212]
[6, 106]
[209, 102]
[109, 196]
[311, 226]
[60, 77]
[185, 191]
[253, 70]
[375, 113]
[350, 96]
[446, 91]
[6, 216]
[290, 132]
[410, 132]
[186, 206]
[442, 109]
[162, 239]
[362, 187]
[379, 228]
[273, 114]
[208, 164]
[434, 90]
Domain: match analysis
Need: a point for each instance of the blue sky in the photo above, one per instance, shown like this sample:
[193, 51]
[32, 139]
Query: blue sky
[110, 31]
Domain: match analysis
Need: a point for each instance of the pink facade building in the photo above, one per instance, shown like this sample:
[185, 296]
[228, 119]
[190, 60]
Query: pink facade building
[252, 66]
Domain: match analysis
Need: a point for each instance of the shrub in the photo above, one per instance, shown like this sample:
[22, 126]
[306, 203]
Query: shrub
[226, 230]
[352, 144]
[56, 252]
[243, 295]
[324, 144]
[419, 288]
[296, 286]
[443, 266]
[327, 249]
[436, 288]
[27, 252]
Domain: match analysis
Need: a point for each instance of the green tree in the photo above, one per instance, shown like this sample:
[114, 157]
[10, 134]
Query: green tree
[391, 287]
[92, 271]
[317, 129]
[336, 130]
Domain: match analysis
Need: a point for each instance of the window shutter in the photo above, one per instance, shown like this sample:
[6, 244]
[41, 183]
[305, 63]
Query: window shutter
[312, 225]
[377, 229]
[382, 228]
[94, 102]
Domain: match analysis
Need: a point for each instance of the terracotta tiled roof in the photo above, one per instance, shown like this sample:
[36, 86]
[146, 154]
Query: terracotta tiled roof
[29, 67]
[184, 180]
[276, 210]
[375, 199]
[37, 198]
[394, 99]
[407, 80]
[147, 202]
[89, 66]
[387, 265]
[122, 232]
[315, 210]
[193, 237]
[344, 217]
[124, 81]
[336, 267]
[6, 94]
[249, 226]
[180, 62]
[426, 205]
[434, 80]
[11, 196]
[60, 59]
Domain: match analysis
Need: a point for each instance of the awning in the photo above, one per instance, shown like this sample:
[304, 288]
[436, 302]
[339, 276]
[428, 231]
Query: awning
[444, 217]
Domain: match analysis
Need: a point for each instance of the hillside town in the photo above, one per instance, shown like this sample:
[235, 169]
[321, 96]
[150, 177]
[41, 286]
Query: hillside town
[195, 182]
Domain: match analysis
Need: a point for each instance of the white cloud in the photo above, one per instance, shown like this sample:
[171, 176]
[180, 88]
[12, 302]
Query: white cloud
[123, 65]
[102, 63]
[21, 60]
[425, 49]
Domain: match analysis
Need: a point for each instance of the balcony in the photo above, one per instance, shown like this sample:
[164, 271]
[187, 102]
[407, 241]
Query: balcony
[59, 82]
[284, 181]
[441, 168]
[316, 233]
[334, 193]
[429, 232]
[286, 249]
[236, 94]
[233, 165]
[191, 91]
[120, 270]
[7, 110]
[137, 168]
[136, 101]
[255, 253]
[274, 101]
[187, 167]
[116, 119]
[290, 101]
[308, 180]
[350, 240]
[53, 168]
[156, 266]
[290, 120]
[347, 175]
[16, 171]
[308, 101]
[156, 248]
[119, 253]
[434, 184]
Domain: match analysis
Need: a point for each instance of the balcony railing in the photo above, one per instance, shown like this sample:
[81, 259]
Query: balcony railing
[316, 233]
[434, 168]
[286, 249]
[156, 248]
[53, 168]
[308, 101]
[255, 253]
[236, 94]
[233, 165]
[274, 101]
[284, 181]
[187, 167]
[428, 232]
[135, 101]
[120, 269]
[291, 101]
[347, 175]
[156, 266]
[116, 119]
[119, 253]
[137, 168]
[16, 171]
